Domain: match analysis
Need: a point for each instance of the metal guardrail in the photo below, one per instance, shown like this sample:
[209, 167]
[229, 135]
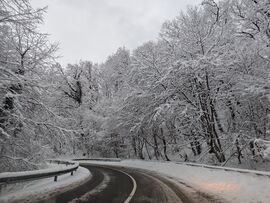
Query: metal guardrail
[97, 159]
[238, 170]
[7, 178]
[255, 172]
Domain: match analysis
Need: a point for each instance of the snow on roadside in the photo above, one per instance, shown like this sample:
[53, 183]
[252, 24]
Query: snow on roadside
[37, 190]
[228, 185]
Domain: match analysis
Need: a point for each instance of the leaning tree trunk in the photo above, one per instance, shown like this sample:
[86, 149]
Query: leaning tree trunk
[164, 145]
[156, 150]
[134, 146]
[147, 151]
[140, 148]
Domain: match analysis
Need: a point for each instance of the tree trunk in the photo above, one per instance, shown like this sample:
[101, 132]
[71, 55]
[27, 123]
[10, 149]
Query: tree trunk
[147, 151]
[220, 128]
[156, 151]
[232, 112]
[164, 145]
[140, 148]
[134, 146]
[239, 153]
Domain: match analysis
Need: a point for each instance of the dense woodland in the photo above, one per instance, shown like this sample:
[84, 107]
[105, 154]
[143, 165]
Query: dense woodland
[201, 92]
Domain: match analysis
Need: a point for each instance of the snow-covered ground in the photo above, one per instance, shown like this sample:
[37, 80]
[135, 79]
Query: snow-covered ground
[231, 186]
[33, 191]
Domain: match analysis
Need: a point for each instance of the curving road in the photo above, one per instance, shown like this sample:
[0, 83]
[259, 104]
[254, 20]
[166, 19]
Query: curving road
[123, 185]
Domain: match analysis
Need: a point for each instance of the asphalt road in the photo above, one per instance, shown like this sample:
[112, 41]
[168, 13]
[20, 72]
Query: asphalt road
[123, 185]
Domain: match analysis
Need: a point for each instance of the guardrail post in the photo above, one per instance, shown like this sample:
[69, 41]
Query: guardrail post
[72, 173]
[55, 178]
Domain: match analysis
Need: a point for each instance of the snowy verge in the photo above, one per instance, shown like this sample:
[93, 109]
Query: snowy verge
[227, 185]
[46, 188]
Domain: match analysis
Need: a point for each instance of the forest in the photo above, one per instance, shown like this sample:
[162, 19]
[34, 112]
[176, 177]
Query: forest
[198, 93]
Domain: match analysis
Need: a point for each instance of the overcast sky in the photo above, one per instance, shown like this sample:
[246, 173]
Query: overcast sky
[93, 29]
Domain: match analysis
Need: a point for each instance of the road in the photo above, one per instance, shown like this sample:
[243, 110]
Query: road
[123, 185]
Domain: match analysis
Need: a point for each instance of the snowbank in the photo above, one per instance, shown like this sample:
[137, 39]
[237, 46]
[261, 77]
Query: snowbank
[228, 185]
[263, 148]
[34, 191]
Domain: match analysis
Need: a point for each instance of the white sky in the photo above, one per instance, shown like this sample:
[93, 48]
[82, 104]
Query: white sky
[93, 29]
